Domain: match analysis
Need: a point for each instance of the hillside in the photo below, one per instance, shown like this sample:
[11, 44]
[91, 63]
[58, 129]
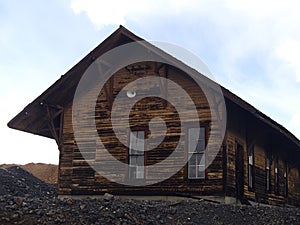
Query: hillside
[45, 172]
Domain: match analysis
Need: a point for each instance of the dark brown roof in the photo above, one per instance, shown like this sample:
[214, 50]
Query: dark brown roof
[33, 118]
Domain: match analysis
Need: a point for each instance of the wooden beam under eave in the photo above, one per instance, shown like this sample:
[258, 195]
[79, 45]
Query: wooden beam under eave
[50, 116]
[58, 113]
[216, 105]
[51, 125]
[166, 71]
[61, 127]
[37, 123]
[53, 132]
[109, 85]
[108, 90]
[163, 82]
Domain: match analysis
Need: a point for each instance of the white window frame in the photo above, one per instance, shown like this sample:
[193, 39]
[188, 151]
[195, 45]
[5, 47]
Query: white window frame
[136, 155]
[250, 167]
[286, 175]
[276, 176]
[196, 153]
[268, 172]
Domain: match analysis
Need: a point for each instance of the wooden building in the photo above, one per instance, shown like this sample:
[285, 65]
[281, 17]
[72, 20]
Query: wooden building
[259, 160]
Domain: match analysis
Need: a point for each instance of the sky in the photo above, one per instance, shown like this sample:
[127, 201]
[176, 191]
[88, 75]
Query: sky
[251, 47]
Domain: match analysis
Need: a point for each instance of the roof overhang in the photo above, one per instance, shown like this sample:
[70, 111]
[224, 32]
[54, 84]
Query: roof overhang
[33, 117]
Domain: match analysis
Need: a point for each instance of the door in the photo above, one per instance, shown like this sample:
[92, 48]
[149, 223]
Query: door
[239, 170]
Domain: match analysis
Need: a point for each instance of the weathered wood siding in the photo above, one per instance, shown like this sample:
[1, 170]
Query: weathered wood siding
[244, 129]
[294, 186]
[77, 177]
[235, 134]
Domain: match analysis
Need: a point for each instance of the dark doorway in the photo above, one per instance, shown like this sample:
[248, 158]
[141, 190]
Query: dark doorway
[239, 170]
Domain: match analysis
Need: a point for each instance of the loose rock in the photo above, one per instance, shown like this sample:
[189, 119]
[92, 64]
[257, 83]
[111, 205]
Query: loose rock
[26, 200]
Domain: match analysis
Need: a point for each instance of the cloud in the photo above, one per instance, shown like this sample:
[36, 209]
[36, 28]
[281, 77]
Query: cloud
[263, 9]
[115, 12]
[289, 52]
[100, 14]
[295, 121]
[295, 124]
[252, 46]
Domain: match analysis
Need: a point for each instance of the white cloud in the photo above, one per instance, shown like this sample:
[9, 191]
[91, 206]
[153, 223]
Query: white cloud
[289, 52]
[295, 121]
[100, 12]
[115, 12]
[295, 124]
[264, 9]
[256, 43]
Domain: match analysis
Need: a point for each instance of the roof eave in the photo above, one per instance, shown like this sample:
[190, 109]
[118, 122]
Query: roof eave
[106, 45]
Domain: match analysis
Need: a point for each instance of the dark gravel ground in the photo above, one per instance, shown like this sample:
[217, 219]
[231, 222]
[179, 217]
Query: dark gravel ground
[18, 182]
[26, 200]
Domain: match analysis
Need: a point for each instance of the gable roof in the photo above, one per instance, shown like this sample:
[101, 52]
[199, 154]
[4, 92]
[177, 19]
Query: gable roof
[33, 118]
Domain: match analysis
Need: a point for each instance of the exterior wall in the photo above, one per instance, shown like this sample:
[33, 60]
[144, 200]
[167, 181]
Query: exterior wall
[294, 186]
[249, 133]
[77, 177]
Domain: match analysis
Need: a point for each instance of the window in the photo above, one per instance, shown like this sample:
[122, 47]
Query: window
[268, 172]
[285, 175]
[276, 177]
[196, 153]
[250, 166]
[136, 155]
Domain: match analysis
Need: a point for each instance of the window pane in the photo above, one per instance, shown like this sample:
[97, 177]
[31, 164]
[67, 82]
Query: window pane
[196, 149]
[267, 163]
[201, 140]
[268, 181]
[140, 134]
[140, 161]
[192, 172]
[139, 172]
[201, 159]
[132, 144]
[268, 172]
[250, 159]
[136, 172]
[140, 142]
[196, 166]
[250, 174]
[193, 159]
[192, 142]
[136, 145]
[250, 155]
[285, 170]
[201, 171]
[196, 140]
[200, 146]
[132, 172]
[193, 134]
[132, 160]
[136, 166]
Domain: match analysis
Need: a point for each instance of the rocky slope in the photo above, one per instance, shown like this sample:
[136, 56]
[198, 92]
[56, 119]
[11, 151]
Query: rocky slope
[45, 172]
[16, 181]
[25, 199]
